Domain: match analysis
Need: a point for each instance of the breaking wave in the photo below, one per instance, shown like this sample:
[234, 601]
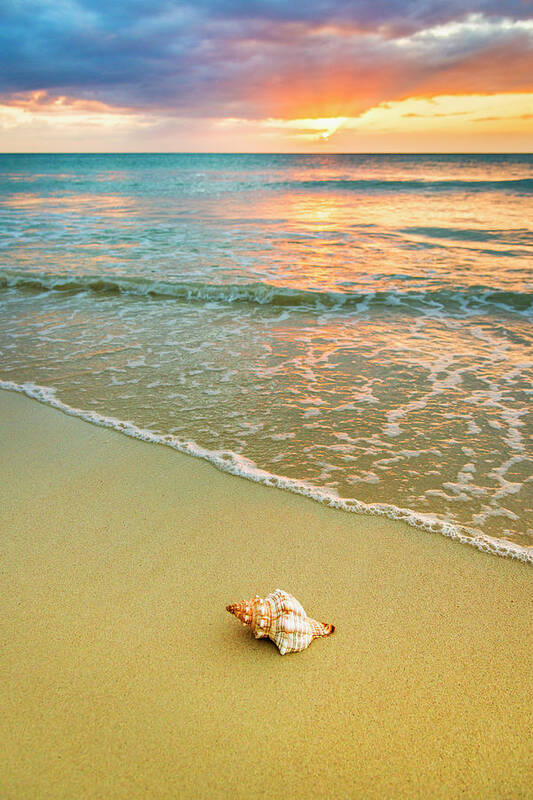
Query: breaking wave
[458, 301]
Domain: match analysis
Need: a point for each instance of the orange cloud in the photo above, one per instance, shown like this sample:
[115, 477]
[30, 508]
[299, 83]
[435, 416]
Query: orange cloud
[40, 101]
[325, 71]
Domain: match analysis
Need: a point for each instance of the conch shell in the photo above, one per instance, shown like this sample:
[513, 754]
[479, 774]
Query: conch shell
[280, 617]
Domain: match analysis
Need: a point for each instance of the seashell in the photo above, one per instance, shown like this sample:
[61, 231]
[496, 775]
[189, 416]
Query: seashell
[280, 617]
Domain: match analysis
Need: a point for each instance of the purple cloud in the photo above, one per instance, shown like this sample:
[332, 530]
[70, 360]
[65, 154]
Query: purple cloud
[256, 58]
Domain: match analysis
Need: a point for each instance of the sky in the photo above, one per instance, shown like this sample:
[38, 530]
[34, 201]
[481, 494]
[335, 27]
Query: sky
[266, 75]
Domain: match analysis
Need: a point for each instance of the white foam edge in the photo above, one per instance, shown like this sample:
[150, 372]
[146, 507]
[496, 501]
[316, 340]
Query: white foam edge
[235, 464]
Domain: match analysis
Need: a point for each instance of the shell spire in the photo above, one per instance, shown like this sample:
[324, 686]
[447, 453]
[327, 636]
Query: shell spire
[282, 618]
[320, 628]
[243, 611]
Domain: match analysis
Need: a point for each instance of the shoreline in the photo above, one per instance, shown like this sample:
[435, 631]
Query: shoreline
[126, 677]
[243, 468]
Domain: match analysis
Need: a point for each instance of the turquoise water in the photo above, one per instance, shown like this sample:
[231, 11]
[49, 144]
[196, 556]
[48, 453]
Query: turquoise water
[355, 328]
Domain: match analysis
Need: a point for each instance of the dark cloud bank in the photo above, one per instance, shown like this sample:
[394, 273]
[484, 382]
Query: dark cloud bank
[256, 58]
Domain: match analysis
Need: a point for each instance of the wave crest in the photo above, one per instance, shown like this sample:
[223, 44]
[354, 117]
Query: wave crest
[516, 185]
[460, 300]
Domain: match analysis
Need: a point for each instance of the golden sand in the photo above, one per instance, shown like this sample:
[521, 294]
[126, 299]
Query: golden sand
[124, 677]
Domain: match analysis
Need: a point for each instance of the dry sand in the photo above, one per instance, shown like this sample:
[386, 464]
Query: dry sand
[124, 677]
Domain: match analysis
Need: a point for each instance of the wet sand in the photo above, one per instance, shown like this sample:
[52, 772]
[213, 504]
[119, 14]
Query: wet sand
[124, 677]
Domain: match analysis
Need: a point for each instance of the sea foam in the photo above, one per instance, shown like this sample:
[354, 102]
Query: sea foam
[235, 464]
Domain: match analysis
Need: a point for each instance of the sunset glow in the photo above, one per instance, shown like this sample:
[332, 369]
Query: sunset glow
[265, 76]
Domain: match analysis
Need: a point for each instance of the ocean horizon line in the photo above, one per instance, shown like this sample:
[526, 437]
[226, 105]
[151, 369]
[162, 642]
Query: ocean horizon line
[458, 153]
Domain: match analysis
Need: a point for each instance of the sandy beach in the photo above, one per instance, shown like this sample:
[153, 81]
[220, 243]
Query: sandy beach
[124, 677]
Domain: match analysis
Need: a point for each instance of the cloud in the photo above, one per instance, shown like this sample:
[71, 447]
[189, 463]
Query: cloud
[412, 115]
[41, 110]
[255, 59]
[521, 117]
[42, 102]
[393, 17]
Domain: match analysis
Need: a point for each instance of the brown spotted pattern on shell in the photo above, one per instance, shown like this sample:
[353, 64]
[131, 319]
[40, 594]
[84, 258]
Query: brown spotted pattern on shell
[280, 617]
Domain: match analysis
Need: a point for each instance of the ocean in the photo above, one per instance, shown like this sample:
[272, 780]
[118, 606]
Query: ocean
[355, 328]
